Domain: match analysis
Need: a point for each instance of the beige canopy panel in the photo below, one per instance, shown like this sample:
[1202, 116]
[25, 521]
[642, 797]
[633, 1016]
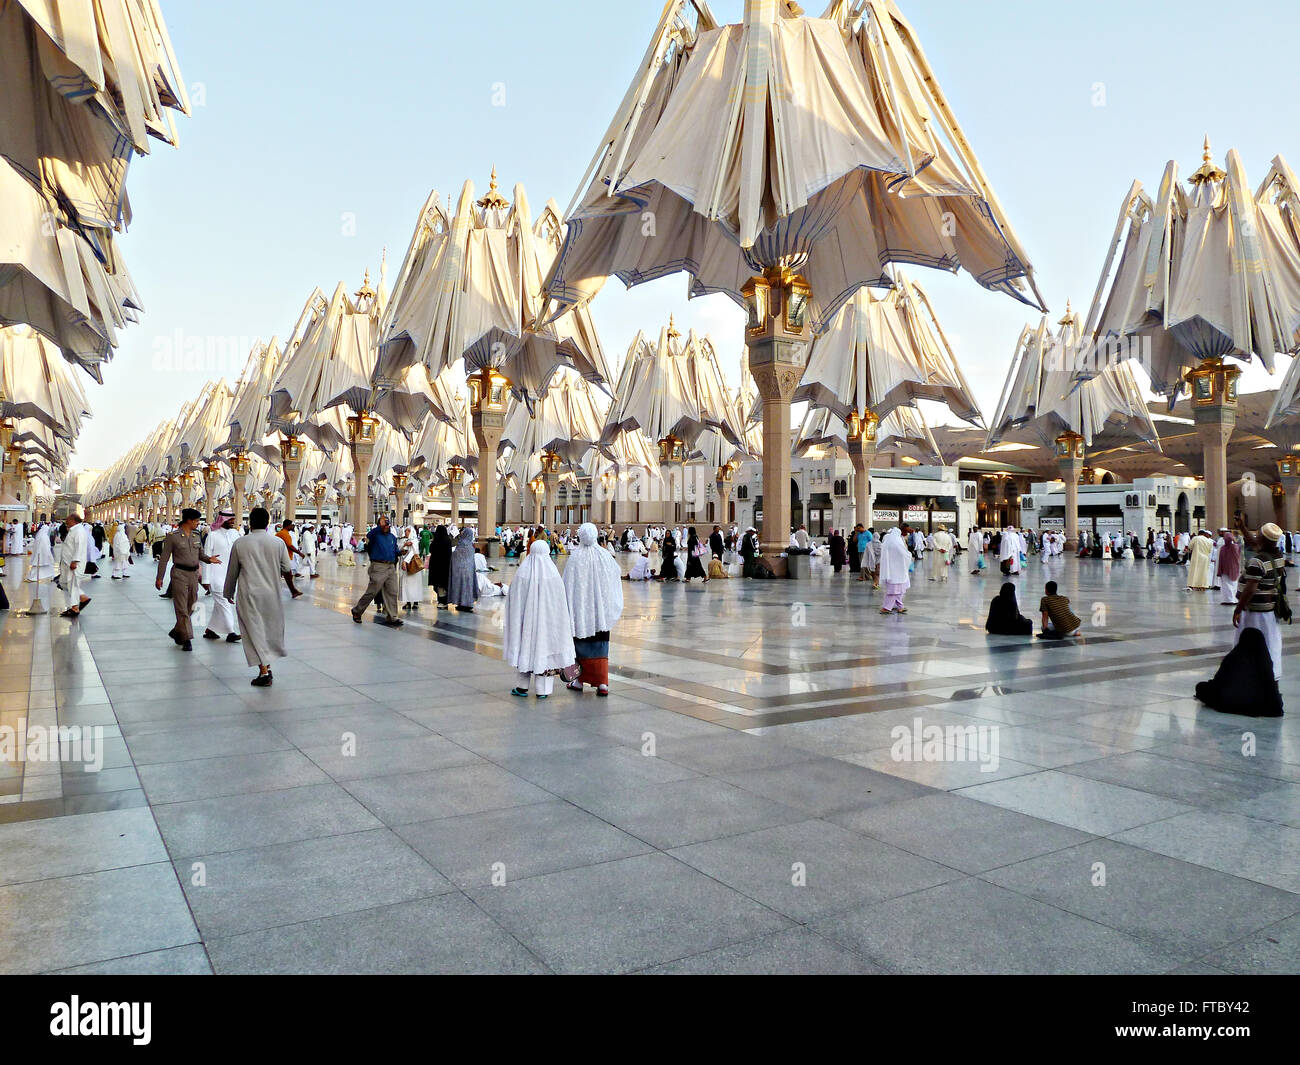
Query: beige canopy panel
[86, 84]
[820, 144]
[35, 383]
[252, 398]
[671, 389]
[902, 430]
[1203, 272]
[1048, 392]
[567, 420]
[471, 288]
[883, 352]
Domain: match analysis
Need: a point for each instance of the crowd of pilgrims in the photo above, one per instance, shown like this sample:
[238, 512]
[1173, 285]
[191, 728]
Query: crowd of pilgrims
[445, 558]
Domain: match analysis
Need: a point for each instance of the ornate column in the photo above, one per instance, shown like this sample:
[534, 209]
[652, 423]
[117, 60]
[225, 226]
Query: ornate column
[318, 492]
[489, 392]
[722, 479]
[362, 429]
[538, 487]
[1214, 406]
[239, 463]
[551, 484]
[777, 335]
[292, 451]
[455, 477]
[862, 452]
[1069, 458]
[672, 461]
[400, 484]
[608, 482]
[1288, 470]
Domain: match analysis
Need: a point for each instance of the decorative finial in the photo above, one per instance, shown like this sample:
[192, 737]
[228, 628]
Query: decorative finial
[1207, 171]
[493, 198]
[1068, 317]
[365, 291]
[673, 334]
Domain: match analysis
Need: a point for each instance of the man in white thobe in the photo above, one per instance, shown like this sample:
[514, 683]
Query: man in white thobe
[1009, 550]
[941, 546]
[221, 538]
[72, 565]
[975, 545]
[307, 545]
[257, 561]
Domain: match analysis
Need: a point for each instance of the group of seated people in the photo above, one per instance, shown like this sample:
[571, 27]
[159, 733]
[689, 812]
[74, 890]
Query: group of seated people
[1005, 618]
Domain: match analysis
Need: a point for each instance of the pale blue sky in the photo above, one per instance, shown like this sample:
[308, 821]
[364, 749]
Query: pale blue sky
[310, 110]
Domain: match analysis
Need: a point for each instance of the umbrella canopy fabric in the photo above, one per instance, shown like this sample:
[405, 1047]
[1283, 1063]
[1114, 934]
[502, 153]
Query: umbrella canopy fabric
[1046, 394]
[471, 288]
[567, 420]
[35, 383]
[672, 388]
[86, 84]
[883, 352]
[1207, 272]
[251, 404]
[902, 430]
[820, 144]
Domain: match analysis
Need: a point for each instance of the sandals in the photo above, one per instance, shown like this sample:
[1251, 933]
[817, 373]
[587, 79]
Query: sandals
[574, 685]
[521, 693]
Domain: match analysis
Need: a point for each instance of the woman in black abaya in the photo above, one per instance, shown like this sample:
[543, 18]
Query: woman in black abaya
[1244, 683]
[1005, 618]
[440, 563]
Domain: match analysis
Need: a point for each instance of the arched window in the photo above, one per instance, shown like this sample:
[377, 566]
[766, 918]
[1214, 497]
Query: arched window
[742, 492]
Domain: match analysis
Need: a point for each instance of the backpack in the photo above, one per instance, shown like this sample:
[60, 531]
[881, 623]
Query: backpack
[1281, 608]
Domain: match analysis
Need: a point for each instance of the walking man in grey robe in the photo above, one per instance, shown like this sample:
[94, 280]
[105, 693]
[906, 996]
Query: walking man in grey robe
[257, 562]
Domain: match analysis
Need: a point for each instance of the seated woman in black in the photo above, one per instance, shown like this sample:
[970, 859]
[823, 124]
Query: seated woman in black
[1244, 683]
[1005, 618]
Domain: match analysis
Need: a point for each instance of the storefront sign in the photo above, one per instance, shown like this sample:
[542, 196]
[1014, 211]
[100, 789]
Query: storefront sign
[884, 517]
[1052, 523]
[945, 516]
[1110, 524]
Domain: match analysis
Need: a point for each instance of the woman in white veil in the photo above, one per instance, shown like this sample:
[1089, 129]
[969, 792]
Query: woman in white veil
[895, 559]
[539, 630]
[592, 585]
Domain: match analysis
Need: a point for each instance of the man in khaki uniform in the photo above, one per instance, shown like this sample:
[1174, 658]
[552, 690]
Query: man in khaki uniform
[181, 548]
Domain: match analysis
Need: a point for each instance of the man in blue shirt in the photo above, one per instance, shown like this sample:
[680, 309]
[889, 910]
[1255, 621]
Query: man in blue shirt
[381, 550]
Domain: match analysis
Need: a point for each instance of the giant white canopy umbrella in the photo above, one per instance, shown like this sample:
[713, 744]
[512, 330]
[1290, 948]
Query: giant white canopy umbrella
[882, 353]
[1205, 273]
[35, 382]
[563, 425]
[1049, 397]
[470, 289]
[86, 85]
[785, 161]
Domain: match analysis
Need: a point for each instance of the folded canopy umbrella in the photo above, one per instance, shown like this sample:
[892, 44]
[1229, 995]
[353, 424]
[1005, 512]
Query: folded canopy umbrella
[786, 162]
[1046, 395]
[35, 383]
[671, 391]
[87, 84]
[1205, 273]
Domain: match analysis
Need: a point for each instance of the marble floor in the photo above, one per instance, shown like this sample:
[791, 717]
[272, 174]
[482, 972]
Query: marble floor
[782, 780]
